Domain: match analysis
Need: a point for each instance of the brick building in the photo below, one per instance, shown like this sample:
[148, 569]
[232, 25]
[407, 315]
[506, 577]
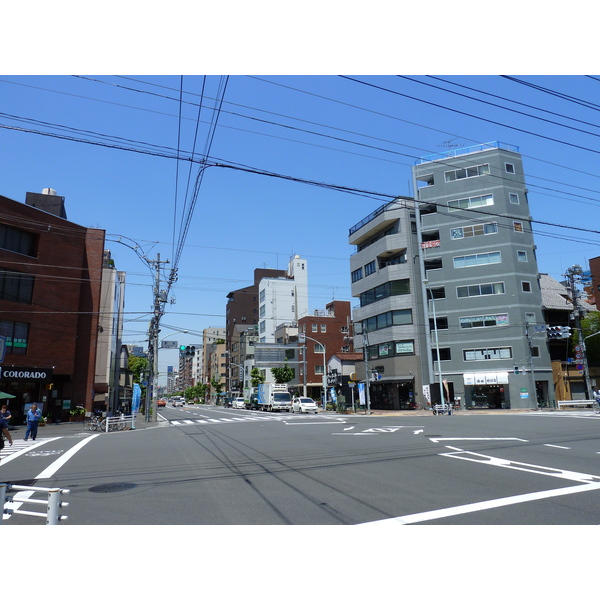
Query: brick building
[328, 329]
[50, 281]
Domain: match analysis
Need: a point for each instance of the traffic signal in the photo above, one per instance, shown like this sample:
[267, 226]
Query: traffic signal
[516, 370]
[554, 332]
[182, 348]
[565, 332]
[189, 350]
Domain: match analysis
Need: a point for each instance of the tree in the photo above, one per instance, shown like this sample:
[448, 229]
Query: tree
[256, 377]
[217, 386]
[283, 374]
[589, 326]
[137, 365]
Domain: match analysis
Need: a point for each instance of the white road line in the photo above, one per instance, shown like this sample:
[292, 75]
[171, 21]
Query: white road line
[555, 446]
[485, 505]
[449, 439]
[518, 466]
[312, 423]
[59, 462]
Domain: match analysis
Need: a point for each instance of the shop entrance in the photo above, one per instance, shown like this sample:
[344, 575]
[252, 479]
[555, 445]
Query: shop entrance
[487, 396]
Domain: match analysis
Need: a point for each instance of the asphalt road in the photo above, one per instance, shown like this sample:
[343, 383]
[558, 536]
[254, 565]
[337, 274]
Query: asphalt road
[216, 466]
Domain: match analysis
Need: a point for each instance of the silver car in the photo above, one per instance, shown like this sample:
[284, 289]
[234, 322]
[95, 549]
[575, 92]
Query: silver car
[304, 405]
[238, 403]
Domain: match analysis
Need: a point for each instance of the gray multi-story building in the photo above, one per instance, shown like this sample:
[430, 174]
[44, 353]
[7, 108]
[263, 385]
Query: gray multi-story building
[385, 277]
[449, 287]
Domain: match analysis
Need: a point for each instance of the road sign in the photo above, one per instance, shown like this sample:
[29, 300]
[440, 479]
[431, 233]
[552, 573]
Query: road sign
[580, 367]
[577, 348]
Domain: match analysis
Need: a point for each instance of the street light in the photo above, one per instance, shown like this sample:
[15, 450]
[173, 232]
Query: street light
[303, 337]
[155, 377]
[437, 344]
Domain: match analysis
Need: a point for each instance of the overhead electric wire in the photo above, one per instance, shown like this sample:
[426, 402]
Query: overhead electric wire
[511, 100]
[472, 116]
[519, 112]
[567, 97]
[347, 131]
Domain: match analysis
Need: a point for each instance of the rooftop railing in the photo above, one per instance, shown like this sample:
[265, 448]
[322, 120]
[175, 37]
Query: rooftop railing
[467, 150]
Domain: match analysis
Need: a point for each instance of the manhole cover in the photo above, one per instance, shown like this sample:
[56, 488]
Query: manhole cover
[112, 487]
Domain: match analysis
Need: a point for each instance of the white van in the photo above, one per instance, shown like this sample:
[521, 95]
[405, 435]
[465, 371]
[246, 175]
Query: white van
[304, 405]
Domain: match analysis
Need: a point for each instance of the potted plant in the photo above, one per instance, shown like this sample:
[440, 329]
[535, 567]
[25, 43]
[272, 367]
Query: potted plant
[77, 413]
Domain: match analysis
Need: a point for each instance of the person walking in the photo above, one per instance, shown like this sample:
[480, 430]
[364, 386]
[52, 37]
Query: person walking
[33, 418]
[5, 414]
[4, 432]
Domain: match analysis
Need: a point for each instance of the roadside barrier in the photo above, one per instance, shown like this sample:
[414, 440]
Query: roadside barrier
[119, 423]
[53, 503]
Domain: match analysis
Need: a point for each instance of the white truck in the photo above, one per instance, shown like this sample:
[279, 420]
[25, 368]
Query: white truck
[274, 397]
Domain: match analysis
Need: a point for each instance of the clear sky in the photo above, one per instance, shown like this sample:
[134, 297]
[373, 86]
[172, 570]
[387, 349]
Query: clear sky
[109, 144]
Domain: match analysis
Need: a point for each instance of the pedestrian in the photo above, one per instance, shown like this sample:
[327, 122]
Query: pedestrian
[5, 414]
[33, 418]
[596, 394]
[4, 432]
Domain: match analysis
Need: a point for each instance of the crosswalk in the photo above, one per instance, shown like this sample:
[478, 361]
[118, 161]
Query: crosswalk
[568, 414]
[244, 419]
[20, 447]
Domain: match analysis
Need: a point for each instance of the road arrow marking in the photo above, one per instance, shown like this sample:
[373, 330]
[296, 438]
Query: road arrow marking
[418, 431]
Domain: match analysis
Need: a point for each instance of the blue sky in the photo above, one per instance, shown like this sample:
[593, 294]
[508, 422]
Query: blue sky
[359, 132]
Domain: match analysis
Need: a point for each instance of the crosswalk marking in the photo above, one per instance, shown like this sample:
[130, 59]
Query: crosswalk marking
[20, 447]
[234, 419]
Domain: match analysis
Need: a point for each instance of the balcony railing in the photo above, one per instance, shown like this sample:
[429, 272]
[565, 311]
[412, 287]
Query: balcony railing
[467, 150]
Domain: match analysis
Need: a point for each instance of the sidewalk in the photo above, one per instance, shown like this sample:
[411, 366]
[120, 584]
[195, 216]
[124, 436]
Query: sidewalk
[67, 428]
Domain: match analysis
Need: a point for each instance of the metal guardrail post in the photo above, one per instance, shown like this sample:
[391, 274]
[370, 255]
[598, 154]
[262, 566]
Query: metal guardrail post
[2, 501]
[52, 504]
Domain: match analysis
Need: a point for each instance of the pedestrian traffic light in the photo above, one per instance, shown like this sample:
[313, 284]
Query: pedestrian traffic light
[565, 332]
[516, 370]
[554, 332]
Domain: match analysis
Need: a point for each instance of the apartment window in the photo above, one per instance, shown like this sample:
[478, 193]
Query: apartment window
[17, 240]
[458, 233]
[262, 295]
[262, 326]
[319, 370]
[488, 354]
[521, 256]
[526, 286]
[17, 336]
[357, 275]
[318, 349]
[510, 168]
[474, 202]
[314, 327]
[480, 289]
[387, 319]
[483, 321]
[397, 287]
[468, 172]
[440, 323]
[370, 268]
[513, 198]
[445, 354]
[323, 328]
[397, 259]
[16, 286]
[518, 226]
[262, 311]
[474, 260]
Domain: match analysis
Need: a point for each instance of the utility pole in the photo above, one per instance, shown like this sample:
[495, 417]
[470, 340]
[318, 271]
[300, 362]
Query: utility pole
[574, 275]
[160, 298]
